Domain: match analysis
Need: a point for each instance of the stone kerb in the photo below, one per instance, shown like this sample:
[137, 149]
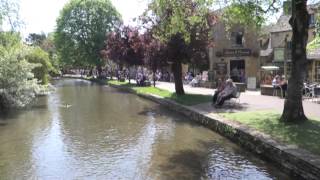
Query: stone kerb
[296, 162]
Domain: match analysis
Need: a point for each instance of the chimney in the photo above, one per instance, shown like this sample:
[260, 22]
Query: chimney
[287, 7]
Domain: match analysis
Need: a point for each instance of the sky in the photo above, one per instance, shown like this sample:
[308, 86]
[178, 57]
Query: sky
[40, 15]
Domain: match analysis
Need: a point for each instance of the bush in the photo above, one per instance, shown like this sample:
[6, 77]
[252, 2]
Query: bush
[38, 56]
[17, 84]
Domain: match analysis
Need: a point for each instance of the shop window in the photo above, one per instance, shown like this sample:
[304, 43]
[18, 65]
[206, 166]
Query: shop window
[312, 21]
[237, 38]
[289, 45]
[317, 73]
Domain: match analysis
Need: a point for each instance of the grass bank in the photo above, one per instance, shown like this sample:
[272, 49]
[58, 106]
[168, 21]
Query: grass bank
[305, 135]
[187, 99]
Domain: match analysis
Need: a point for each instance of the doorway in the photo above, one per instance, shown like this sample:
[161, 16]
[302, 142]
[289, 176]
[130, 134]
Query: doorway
[237, 71]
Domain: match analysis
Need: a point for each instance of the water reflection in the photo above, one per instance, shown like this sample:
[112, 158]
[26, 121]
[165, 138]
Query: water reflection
[105, 134]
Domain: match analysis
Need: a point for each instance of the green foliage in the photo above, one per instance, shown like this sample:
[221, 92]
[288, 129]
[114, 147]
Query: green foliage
[250, 14]
[46, 43]
[314, 44]
[81, 30]
[244, 14]
[17, 85]
[172, 17]
[35, 39]
[38, 56]
[9, 13]
[305, 134]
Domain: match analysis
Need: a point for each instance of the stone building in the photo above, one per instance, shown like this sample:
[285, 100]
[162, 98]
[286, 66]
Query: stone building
[235, 54]
[276, 47]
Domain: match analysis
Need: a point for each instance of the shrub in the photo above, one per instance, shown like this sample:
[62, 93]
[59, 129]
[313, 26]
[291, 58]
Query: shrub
[17, 84]
[38, 56]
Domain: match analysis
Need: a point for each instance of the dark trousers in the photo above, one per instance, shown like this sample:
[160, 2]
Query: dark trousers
[284, 88]
[215, 97]
[224, 98]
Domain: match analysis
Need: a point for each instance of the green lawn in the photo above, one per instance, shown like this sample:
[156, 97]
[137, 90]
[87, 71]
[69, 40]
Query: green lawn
[305, 135]
[187, 99]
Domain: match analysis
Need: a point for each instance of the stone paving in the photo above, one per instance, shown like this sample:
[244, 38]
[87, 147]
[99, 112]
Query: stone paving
[249, 101]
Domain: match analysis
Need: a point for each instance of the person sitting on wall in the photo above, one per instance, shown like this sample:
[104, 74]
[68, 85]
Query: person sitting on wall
[220, 86]
[196, 80]
[229, 91]
[140, 79]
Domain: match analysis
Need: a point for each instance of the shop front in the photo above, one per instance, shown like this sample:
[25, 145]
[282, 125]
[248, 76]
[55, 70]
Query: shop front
[237, 64]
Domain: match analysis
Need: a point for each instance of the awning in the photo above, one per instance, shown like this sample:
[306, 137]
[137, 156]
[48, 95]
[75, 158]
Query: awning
[270, 68]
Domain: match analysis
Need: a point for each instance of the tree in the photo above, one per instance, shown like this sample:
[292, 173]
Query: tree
[179, 23]
[38, 56]
[35, 39]
[9, 13]
[81, 30]
[299, 21]
[155, 53]
[17, 84]
[124, 46]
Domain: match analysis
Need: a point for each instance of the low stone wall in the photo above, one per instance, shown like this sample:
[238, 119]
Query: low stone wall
[296, 162]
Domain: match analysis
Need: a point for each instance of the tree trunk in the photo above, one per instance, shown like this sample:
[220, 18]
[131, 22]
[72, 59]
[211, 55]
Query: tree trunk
[177, 73]
[154, 69]
[129, 75]
[293, 108]
[99, 69]
[154, 78]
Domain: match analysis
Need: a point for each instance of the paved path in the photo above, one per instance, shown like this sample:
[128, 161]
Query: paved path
[249, 101]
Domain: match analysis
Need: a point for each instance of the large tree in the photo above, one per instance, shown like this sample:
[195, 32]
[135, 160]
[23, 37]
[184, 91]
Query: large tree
[179, 24]
[293, 107]
[81, 30]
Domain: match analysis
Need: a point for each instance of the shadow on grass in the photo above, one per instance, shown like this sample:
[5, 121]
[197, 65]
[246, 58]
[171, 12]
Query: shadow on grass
[190, 99]
[305, 134]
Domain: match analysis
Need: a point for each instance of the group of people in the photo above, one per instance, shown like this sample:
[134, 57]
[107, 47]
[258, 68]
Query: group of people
[280, 82]
[225, 91]
[166, 76]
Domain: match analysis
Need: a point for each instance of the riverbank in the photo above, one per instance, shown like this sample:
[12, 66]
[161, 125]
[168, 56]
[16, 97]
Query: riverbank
[295, 161]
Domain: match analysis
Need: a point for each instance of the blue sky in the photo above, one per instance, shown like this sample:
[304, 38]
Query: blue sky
[40, 15]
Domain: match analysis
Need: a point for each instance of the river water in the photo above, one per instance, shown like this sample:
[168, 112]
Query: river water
[87, 131]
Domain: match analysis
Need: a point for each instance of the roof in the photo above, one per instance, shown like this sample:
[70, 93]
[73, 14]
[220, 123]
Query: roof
[282, 24]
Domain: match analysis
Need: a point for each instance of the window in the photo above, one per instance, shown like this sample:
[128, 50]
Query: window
[311, 20]
[289, 45]
[237, 38]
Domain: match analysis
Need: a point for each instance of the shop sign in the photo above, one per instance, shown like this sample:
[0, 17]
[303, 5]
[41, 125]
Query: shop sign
[236, 52]
[221, 69]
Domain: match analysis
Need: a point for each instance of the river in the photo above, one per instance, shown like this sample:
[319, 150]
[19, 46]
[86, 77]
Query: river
[87, 131]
